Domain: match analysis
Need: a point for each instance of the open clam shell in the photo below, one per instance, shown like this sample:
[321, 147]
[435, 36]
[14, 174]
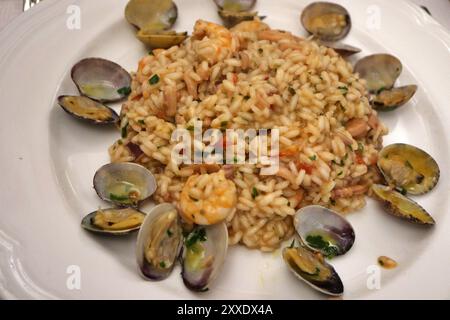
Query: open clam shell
[379, 70]
[113, 221]
[232, 18]
[87, 109]
[324, 230]
[101, 80]
[161, 39]
[343, 49]
[204, 253]
[400, 206]
[388, 100]
[313, 270]
[235, 5]
[151, 14]
[124, 184]
[326, 21]
[159, 242]
[408, 168]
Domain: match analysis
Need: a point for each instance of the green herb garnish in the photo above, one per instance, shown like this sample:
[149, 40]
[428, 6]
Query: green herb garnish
[141, 122]
[154, 79]
[195, 236]
[381, 90]
[115, 197]
[162, 264]
[360, 147]
[255, 193]
[313, 158]
[344, 89]
[124, 130]
[124, 91]
[169, 233]
[190, 128]
[403, 191]
[319, 243]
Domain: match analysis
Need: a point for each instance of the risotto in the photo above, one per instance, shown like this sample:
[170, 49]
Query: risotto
[253, 77]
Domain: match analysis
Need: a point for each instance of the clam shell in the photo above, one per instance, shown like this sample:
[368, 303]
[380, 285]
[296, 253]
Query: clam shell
[400, 206]
[161, 40]
[151, 14]
[197, 273]
[343, 49]
[232, 18]
[88, 110]
[388, 100]
[379, 70]
[319, 19]
[324, 230]
[408, 168]
[235, 5]
[124, 184]
[159, 232]
[101, 80]
[88, 222]
[320, 275]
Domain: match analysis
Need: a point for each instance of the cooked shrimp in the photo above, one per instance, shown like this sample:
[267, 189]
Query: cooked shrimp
[250, 26]
[214, 42]
[208, 198]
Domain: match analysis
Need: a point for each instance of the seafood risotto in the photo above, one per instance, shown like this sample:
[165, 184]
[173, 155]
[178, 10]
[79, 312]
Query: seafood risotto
[251, 76]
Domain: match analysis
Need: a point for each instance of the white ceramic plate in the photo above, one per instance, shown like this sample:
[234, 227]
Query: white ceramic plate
[48, 160]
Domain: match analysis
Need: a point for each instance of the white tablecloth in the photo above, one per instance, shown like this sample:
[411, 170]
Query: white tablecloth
[440, 9]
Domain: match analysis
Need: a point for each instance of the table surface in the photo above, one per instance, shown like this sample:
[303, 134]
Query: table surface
[440, 10]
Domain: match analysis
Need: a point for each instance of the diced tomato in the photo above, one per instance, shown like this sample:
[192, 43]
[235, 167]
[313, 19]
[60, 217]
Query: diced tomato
[234, 78]
[307, 167]
[358, 158]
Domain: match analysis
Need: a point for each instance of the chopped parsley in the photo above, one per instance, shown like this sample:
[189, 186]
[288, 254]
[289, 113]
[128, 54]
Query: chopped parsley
[190, 128]
[344, 89]
[195, 236]
[360, 147]
[115, 197]
[313, 158]
[162, 264]
[403, 191]
[324, 246]
[381, 90]
[255, 193]
[124, 130]
[141, 122]
[169, 232]
[235, 159]
[154, 79]
[124, 91]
